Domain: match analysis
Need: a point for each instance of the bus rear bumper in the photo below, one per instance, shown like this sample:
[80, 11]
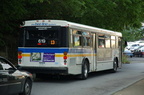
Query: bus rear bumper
[46, 70]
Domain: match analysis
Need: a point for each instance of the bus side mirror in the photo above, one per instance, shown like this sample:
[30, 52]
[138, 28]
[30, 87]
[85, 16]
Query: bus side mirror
[125, 43]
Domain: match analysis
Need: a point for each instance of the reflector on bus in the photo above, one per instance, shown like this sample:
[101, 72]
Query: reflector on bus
[53, 42]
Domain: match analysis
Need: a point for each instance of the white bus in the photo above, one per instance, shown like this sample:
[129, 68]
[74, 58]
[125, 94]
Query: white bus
[66, 48]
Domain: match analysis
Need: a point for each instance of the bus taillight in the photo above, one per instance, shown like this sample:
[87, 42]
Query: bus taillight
[65, 57]
[39, 44]
[19, 57]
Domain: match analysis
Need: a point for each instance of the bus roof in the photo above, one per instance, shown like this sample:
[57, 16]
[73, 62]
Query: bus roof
[69, 24]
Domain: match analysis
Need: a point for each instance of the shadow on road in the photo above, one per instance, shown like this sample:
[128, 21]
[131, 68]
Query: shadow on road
[70, 78]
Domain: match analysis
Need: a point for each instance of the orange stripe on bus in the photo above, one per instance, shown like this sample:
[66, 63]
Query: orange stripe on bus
[61, 55]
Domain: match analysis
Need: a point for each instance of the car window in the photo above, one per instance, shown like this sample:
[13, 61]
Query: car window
[142, 48]
[1, 67]
[4, 65]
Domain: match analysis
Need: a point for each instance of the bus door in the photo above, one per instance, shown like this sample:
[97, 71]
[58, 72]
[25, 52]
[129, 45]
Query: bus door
[94, 51]
[120, 51]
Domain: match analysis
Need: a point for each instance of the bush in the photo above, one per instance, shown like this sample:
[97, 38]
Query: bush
[125, 59]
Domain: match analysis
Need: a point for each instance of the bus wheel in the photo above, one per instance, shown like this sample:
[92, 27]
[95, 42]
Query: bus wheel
[84, 73]
[115, 66]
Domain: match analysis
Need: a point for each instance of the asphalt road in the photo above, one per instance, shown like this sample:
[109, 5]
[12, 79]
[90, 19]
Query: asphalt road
[100, 83]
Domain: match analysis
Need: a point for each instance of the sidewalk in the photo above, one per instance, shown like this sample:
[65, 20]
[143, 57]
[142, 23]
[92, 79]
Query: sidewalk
[138, 87]
[134, 89]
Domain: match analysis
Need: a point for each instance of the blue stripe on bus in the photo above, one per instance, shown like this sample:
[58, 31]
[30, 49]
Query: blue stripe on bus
[55, 50]
[48, 50]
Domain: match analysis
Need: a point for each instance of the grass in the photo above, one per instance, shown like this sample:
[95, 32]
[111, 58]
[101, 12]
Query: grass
[125, 59]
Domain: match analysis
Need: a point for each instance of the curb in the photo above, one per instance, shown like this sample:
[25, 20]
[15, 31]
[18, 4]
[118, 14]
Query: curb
[135, 89]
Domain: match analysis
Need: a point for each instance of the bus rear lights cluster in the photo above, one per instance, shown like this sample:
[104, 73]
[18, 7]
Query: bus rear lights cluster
[65, 58]
[19, 57]
[41, 44]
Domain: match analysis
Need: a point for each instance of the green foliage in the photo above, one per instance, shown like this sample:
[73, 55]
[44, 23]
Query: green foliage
[132, 34]
[119, 15]
[2, 43]
[109, 14]
[55, 9]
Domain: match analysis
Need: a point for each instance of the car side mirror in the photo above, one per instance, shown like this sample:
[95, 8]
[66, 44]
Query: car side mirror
[11, 70]
[18, 67]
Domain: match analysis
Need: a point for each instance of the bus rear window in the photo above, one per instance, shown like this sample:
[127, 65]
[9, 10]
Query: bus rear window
[49, 37]
[52, 34]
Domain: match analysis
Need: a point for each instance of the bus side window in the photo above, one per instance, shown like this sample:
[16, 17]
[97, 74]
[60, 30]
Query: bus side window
[107, 41]
[101, 41]
[86, 39]
[113, 42]
[117, 42]
[77, 40]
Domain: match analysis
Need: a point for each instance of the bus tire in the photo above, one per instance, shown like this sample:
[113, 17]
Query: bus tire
[84, 72]
[115, 66]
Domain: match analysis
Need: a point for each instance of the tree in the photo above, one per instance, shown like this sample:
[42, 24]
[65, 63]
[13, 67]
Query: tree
[115, 14]
[109, 14]
[133, 34]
